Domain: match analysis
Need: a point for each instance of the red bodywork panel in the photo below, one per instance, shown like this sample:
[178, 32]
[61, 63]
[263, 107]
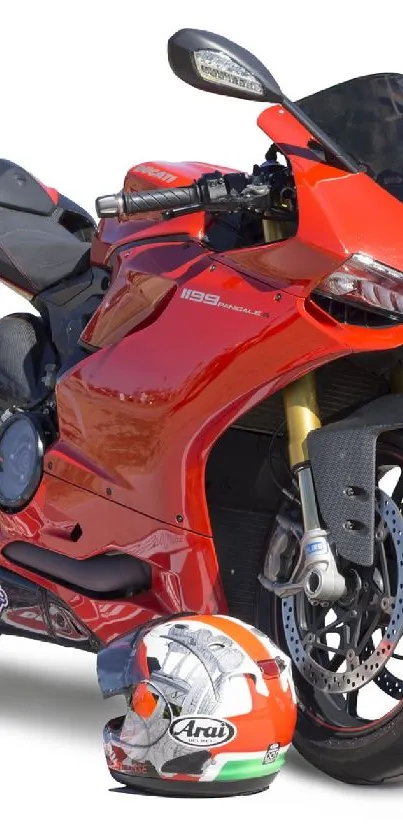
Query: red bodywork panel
[184, 571]
[139, 416]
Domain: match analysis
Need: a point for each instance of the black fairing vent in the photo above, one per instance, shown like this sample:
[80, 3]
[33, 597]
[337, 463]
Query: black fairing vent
[351, 315]
[101, 576]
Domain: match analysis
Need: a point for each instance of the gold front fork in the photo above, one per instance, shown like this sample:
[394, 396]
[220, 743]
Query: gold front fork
[321, 579]
[277, 230]
[302, 416]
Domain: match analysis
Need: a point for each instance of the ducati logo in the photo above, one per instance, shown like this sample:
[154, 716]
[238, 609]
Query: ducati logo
[3, 600]
[168, 177]
[202, 731]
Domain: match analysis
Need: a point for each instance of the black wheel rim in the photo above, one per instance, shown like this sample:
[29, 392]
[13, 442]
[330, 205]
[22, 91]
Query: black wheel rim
[349, 634]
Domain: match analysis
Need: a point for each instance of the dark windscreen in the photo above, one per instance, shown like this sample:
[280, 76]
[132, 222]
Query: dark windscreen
[365, 116]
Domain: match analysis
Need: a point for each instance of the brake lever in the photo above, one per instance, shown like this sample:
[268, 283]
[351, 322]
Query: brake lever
[182, 211]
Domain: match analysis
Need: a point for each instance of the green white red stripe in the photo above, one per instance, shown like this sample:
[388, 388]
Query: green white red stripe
[238, 766]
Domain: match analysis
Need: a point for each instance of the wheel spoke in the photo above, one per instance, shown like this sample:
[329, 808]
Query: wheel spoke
[345, 636]
[335, 626]
[356, 632]
[398, 490]
[384, 569]
[396, 655]
[336, 662]
[318, 646]
[351, 703]
[317, 617]
[368, 634]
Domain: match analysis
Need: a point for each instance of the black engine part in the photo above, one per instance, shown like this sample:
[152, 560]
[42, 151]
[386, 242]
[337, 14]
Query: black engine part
[67, 307]
[27, 355]
[242, 502]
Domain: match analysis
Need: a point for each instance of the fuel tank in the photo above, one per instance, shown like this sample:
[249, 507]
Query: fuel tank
[113, 233]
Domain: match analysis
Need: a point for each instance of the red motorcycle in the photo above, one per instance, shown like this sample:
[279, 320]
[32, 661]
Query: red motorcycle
[206, 414]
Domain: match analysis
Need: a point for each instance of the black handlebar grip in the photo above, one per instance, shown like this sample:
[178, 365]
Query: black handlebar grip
[158, 200]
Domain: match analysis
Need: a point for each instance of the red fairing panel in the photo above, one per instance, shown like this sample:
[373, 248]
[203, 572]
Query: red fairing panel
[141, 416]
[184, 566]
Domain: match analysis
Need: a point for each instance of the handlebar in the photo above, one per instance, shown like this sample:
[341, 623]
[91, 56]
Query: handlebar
[156, 200]
[213, 192]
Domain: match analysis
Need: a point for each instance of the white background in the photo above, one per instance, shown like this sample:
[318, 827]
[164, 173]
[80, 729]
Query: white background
[86, 92]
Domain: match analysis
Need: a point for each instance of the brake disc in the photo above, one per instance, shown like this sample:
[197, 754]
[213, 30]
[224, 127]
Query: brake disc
[390, 684]
[387, 681]
[367, 670]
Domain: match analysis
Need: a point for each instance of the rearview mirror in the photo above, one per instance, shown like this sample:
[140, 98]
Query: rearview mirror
[212, 63]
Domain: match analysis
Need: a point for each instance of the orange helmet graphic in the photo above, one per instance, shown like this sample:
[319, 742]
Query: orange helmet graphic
[210, 707]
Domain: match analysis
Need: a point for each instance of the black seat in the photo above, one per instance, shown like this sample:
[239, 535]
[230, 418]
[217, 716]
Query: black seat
[37, 248]
[19, 190]
[36, 251]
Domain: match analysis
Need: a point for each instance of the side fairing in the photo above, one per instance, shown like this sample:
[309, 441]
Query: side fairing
[139, 416]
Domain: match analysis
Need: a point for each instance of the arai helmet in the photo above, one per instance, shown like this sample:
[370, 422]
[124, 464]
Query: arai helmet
[210, 707]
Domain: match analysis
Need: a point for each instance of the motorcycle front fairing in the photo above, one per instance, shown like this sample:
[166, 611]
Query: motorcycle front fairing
[339, 213]
[365, 116]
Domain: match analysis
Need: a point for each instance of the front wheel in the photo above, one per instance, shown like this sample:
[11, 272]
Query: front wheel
[347, 656]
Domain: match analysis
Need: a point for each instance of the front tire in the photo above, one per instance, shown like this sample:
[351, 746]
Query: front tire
[371, 758]
[331, 734]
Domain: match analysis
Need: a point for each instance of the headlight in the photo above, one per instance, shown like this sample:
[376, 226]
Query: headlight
[361, 281]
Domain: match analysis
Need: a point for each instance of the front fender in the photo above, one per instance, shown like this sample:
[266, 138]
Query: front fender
[343, 460]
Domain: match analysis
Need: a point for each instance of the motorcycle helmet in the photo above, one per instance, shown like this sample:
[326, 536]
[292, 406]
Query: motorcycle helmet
[211, 707]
